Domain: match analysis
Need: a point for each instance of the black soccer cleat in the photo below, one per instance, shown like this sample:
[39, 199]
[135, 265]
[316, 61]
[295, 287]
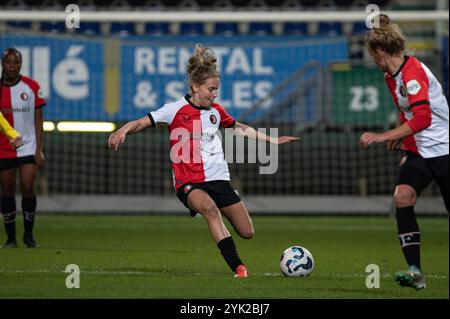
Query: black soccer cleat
[10, 244]
[30, 242]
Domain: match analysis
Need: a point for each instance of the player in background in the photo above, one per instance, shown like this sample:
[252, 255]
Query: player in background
[422, 132]
[21, 103]
[201, 176]
[14, 137]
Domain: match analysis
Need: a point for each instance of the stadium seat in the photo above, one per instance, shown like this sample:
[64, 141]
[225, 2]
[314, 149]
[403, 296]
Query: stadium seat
[330, 28]
[192, 28]
[260, 28]
[343, 3]
[59, 27]
[22, 25]
[274, 3]
[226, 28]
[240, 3]
[380, 3]
[171, 3]
[295, 28]
[122, 29]
[34, 3]
[157, 28]
[309, 3]
[206, 3]
[65, 2]
[102, 3]
[136, 3]
[359, 28]
[89, 28]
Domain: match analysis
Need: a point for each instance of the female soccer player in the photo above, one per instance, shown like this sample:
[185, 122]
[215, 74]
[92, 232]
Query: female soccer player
[21, 103]
[14, 137]
[201, 176]
[423, 130]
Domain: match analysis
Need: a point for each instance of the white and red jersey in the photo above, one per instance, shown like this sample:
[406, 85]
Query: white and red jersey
[423, 106]
[18, 104]
[196, 149]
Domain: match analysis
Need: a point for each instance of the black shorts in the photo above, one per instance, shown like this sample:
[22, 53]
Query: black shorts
[419, 172]
[221, 192]
[8, 163]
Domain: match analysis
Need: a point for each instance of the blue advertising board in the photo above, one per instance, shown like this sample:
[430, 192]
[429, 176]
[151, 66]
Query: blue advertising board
[123, 79]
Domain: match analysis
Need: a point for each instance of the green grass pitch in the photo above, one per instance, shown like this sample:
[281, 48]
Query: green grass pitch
[175, 257]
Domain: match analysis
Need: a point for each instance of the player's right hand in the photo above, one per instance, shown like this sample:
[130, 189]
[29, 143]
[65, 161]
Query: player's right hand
[16, 142]
[115, 139]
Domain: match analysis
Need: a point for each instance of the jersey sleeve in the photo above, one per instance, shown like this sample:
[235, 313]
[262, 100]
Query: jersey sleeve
[39, 101]
[421, 118]
[417, 86]
[416, 82]
[226, 120]
[163, 115]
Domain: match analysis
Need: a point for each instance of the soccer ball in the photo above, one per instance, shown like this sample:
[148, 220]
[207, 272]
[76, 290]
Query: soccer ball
[296, 261]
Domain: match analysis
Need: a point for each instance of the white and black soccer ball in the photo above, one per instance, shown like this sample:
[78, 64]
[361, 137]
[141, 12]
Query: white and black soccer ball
[296, 261]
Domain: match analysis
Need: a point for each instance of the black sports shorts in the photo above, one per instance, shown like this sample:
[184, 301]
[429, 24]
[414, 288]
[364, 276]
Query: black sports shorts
[419, 172]
[8, 163]
[221, 192]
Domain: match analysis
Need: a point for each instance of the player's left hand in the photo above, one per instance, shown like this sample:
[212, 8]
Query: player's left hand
[368, 138]
[116, 139]
[39, 158]
[286, 139]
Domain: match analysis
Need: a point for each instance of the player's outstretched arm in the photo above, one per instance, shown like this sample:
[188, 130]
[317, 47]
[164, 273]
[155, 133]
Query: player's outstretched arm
[241, 129]
[395, 134]
[118, 137]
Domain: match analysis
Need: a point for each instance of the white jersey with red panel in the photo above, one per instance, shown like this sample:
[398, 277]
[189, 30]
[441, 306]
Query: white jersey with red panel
[422, 104]
[195, 148]
[18, 104]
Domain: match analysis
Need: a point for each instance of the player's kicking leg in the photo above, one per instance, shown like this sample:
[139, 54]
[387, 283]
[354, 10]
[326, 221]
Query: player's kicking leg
[202, 203]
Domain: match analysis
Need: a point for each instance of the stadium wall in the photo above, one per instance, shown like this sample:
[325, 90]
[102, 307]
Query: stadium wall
[256, 205]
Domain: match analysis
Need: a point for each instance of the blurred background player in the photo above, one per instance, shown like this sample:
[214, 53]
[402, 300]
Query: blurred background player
[423, 129]
[21, 103]
[14, 137]
[201, 176]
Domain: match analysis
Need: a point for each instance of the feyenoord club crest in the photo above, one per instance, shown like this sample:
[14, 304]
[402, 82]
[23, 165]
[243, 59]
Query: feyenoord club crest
[403, 91]
[187, 188]
[24, 96]
[213, 119]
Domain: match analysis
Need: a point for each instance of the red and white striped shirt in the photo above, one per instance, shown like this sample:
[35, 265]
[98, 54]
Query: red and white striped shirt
[419, 98]
[196, 149]
[18, 104]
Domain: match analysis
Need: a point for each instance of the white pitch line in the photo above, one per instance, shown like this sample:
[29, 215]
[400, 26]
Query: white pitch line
[91, 272]
[387, 275]
[141, 273]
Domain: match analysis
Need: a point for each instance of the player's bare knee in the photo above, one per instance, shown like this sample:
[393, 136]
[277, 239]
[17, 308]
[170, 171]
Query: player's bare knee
[248, 234]
[210, 211]
[404, 199]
